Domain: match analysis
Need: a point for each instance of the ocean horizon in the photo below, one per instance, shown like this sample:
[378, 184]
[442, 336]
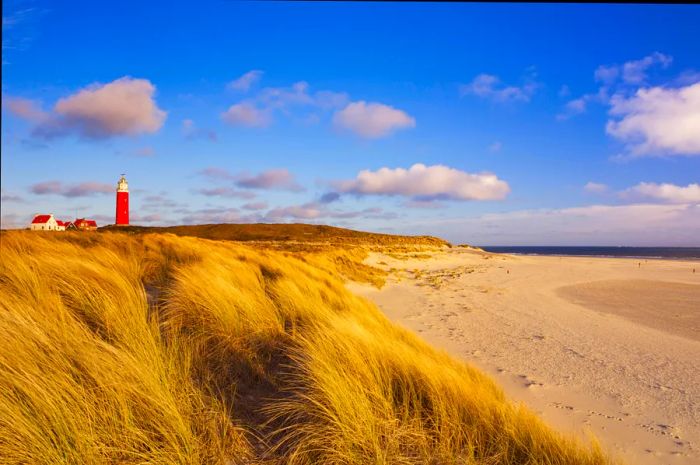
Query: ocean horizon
[601, 251]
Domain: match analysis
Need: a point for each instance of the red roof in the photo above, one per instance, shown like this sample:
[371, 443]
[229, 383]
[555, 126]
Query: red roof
[39, 219]
[60, 223]
[83, 222]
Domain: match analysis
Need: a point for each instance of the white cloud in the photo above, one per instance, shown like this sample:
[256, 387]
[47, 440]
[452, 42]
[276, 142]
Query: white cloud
[225, 192]
[83, 189]
[574, 107]
[595, 187]
[490, 86]
[246, 114]
[665, 192]
[315, 210]
[658, 121]
[25, 109]
[298, 95]
[275, 179]
[306, 211]
[122, 107]
[372, 120]
[246, 81]
[280, 179]
[427, 182]
[632, 72]
[615, 79]
[191, 131]
[637, 224]
[254, 206]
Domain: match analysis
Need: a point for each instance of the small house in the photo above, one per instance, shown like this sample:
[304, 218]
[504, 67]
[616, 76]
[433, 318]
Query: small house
[82, 224]
[44, 223]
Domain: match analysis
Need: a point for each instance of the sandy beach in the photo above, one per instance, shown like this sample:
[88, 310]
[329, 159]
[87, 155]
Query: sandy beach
[602, 345]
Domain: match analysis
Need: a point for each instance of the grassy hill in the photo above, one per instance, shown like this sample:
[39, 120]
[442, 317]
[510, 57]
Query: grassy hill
[152, 348]
[286, 233]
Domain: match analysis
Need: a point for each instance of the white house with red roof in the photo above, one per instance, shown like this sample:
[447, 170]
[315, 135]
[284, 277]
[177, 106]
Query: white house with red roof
[45, 223]
[49, 223]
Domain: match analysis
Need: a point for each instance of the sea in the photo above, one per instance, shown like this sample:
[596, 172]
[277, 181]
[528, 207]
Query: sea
[679, 253]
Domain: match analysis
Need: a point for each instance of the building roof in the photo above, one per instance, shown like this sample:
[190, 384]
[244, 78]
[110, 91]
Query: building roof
[85, 222]
[60, 223]
[40, 219]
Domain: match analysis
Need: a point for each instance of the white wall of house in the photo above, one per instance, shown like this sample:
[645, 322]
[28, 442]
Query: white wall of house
[50, 225]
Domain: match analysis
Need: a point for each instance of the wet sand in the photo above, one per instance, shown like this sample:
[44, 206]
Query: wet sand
[602, 345]
[667, 306]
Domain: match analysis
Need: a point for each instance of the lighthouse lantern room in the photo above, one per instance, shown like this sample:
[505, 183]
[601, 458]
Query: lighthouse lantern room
[122, 202]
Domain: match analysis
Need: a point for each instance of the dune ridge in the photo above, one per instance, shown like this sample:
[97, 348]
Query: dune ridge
[153, 348]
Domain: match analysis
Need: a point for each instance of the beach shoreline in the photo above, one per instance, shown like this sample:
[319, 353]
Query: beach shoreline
[631, 381]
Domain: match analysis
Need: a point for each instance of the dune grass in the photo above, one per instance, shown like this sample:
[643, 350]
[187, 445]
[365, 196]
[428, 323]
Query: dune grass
[157, 349]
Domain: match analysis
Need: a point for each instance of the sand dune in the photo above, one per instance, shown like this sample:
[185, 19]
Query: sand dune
[603, 345]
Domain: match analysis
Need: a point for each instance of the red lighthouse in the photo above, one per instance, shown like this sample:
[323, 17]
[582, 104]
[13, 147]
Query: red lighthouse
[122, 202]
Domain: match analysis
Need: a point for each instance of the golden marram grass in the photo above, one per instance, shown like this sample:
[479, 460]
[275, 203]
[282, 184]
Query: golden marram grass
[158, 349]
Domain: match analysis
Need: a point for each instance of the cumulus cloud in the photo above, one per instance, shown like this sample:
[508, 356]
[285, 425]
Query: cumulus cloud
[122, 107]
[595, 187]
[280, 179]
[246, 81]
[665, 192]
[658, 121]
[490, 87]
[246, 114]
[617, 80]
[83, 189]
[427, 183]
[372, 120]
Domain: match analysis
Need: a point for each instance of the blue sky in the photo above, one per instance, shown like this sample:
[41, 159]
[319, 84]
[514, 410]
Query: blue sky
[487, 124]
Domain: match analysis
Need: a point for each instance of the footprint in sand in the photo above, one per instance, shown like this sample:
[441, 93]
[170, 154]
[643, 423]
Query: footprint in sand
[527, 382]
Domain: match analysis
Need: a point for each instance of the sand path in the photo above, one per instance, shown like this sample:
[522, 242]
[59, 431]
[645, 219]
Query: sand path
[579, 340]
